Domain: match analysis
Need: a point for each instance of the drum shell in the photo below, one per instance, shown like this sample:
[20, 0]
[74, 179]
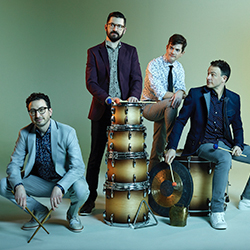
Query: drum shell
[120, 207]
[124, 138]
[202, 172]
[127, 169]
[127, 113]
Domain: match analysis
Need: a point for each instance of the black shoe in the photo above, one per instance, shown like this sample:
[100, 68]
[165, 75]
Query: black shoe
[87, 208]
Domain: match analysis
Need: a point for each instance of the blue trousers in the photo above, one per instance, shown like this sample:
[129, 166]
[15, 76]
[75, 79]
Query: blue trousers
[223, 163]
[35, 186]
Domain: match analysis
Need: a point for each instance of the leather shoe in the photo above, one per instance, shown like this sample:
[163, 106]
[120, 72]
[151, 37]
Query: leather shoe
[217, 221]
[244, 204]
[87, 208]
[32, 224]
[75, 224]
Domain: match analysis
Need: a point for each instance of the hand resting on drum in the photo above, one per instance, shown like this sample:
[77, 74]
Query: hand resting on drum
[169, 155]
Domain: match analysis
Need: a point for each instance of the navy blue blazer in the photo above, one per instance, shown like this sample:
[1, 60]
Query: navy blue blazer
[196, 107]
[97, 76]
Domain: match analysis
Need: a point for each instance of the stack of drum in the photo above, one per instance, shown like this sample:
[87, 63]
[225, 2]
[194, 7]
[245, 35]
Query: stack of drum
[127, 180]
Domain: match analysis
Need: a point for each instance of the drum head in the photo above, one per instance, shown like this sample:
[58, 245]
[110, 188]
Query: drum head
[163, 195]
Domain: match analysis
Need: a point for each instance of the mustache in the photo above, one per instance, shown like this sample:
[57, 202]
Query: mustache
[114, 32]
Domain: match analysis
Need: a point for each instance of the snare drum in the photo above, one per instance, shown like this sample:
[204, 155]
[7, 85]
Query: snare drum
[123, 201]
[127, 113]
[202, 172]
[126, 138]
[127, 167]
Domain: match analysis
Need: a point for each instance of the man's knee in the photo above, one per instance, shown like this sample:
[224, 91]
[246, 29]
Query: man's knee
[81, 189]
[3, 187]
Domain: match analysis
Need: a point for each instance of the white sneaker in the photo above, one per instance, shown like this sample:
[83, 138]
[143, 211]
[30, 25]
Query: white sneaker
[244, 204]
[217, 221]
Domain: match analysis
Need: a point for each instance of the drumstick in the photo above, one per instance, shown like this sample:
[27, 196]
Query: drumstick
[40, 225]
[174, 184]
[230, 151]
[34, 216]
[121, 101]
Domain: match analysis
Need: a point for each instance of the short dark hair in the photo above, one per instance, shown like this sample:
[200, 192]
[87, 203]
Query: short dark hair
[37, 96]
[224, 67]
[178, 39]
[116, 14]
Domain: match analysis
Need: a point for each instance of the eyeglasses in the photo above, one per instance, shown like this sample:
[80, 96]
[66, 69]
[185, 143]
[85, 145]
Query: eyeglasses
[113, 25]
[41, 111]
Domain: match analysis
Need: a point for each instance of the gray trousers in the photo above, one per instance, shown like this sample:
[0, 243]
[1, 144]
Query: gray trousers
[35, 186]
[223, 163]
[164, 117]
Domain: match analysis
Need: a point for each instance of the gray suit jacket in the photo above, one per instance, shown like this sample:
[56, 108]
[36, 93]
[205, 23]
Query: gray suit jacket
[66, 154]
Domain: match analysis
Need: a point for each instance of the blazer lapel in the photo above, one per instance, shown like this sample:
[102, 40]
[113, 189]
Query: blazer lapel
[104, 56]
[31, 144]
[207, 97]
[54, 139]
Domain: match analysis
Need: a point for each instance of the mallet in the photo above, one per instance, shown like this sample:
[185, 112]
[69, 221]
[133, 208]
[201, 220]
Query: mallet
[230, 151]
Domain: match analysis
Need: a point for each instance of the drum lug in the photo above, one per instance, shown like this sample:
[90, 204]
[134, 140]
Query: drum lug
[144, 193]
[129, 195]
[112, 193]
[210, 170]
[148, 177]
[111, 145]
[129, 219]
[104, 214]
[144, 135]
[126, 111]
[134, 178]
[129, 135]
[129, 147]
[111, 135]
[141, 119]
[112, 110]
[126, 120]
[113, 163]
[113, 178]
[144, 145]
[134, 163]
[145, 217]
[112, 219]
[112, 119]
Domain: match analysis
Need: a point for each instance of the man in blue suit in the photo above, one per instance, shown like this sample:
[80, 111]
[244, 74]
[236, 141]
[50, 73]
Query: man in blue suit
[213, 110]
[54, 166]
[112, 72]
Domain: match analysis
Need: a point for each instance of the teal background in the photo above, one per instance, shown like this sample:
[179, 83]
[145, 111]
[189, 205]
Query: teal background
[43, 48]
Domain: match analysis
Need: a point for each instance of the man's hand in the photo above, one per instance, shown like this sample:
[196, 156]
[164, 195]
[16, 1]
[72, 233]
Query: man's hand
[20, 196]
[177, 98]
[56, 197]
[169, 156]
[236, 150]
[132, 99]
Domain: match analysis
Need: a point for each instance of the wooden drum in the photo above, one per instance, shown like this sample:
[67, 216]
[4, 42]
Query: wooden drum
[127, 113]
[123, 201]
[202, 172]
[127, 167]
[126, 138]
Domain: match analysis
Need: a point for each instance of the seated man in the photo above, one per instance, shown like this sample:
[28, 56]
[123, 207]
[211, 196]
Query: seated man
[212, 110]
[54, 166]
[165, 84]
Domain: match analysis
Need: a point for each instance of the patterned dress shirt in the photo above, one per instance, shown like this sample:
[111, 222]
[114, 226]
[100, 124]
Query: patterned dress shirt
[44, 166]
[156, 79]
[114, 88]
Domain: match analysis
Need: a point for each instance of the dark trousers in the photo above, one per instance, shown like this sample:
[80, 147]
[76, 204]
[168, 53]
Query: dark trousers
[98, 146]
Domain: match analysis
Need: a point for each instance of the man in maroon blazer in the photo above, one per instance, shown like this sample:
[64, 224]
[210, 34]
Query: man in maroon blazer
[112, 72]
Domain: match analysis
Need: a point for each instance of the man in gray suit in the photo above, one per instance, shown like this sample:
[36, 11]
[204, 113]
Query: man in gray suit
[54, 167]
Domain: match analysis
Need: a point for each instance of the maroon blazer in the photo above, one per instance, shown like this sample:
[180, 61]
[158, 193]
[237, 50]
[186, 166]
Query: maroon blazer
[97, 76]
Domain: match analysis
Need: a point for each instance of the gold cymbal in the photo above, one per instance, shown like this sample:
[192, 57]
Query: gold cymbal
[162, 190]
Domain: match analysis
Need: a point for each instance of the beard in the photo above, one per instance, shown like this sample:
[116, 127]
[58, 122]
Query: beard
[114, 38]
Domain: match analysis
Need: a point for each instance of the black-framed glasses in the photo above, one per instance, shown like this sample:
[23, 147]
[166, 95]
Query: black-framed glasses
[41, 111]
[113, 25]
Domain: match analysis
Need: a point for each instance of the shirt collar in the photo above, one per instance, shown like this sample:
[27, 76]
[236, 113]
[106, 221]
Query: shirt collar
[109, 44]
[47, 132]
[168, 63]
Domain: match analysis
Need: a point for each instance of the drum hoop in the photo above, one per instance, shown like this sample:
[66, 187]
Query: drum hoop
[127, 186]
[126, 155]
[130, 104]
[193, 161]
[126, 127]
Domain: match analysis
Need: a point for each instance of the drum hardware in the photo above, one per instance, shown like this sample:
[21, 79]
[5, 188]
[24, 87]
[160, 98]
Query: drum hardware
[134, 178]
[134, 163]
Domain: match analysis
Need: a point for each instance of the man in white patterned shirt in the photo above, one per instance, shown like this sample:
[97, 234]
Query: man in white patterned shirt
[168, 93]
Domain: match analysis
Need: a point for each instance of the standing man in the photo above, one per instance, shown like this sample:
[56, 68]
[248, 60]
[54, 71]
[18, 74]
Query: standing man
[165, 84]
[54, 166]
[113, 71]
[213, 110]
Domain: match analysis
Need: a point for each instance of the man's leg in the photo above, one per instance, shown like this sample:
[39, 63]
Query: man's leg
[164, 117]
[223, 161]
